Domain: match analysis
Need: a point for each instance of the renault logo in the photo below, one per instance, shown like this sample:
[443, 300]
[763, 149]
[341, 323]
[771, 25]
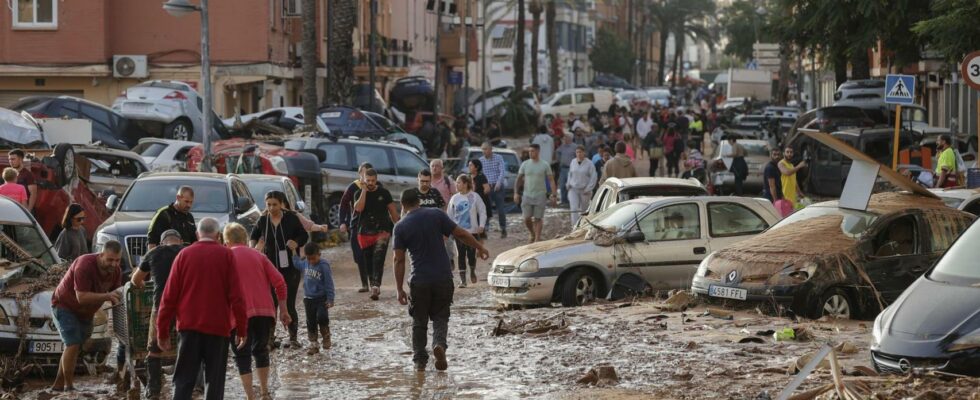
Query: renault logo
[731, 276]
[905, 365]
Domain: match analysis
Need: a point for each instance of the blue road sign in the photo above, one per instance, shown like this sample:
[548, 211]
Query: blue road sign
[900, 89]
[455, 77]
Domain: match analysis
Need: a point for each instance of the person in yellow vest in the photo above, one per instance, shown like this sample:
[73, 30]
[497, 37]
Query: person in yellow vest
[791, 191]
[947, 172]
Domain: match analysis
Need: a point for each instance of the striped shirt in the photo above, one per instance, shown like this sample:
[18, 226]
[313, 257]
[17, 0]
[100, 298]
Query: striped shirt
[493, 168]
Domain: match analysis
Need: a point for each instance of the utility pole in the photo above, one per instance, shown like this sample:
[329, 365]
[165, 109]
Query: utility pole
[438, 33]
[483, 66]
[466, 62]
[373, 49]
[329, 52]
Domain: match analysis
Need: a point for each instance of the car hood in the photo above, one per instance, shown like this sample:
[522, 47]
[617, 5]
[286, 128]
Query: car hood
[40, 303]
[929, 310]
[125, 223]
[550, 248]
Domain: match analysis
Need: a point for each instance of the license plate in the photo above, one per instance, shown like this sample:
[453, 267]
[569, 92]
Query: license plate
[138, 107]
[727, 292]
[501, 281]
[46, 347]
[332, 114]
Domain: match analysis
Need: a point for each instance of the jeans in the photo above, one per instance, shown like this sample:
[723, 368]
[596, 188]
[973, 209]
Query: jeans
[317, 317]
[497, 198]
[256, 345]
[465, 253]
[673, 169]
[292, 277]
[578, 201]
[738, 185]
[429, 301]
[197, 348]
[362, 268]
[374, 260]
[654, 164]
[562, 180]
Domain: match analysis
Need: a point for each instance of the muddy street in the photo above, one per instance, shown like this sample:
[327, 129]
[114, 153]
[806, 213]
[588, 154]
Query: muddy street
[655, 350]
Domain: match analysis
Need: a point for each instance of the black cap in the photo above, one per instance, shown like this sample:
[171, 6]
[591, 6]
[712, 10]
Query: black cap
[410, 196]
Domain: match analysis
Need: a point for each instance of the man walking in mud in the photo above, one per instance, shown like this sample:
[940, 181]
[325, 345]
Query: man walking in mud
[430, 286]
[533, 180]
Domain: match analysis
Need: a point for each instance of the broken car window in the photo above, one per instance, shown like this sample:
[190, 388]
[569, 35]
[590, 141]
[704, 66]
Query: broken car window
[619, 215]
[29, 239]
[960, 262]
[731, 219]
[853, 223]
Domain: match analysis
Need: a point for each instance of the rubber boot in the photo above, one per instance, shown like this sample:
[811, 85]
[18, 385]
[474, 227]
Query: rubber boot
[314, 348]
[325, 332]
[154, 381]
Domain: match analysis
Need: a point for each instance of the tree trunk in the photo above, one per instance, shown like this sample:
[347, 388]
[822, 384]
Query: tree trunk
[552, 38]
[839, 59]
[678, 53]
[860, 65]
[519, 50]
[783, 86]
[662, 62]
[342, 55]
[535, 9]
[631, 35]
[308, 59]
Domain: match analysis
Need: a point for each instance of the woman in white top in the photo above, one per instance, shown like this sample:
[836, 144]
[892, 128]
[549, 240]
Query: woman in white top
[581, 180]
[468, 211]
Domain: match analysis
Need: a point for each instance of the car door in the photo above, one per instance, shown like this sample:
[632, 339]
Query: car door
[583, 101]
[898, 255]
[407, 168]
[341, 170]
[563, 105]
[674, 245]
[249, 217]
[730, 223]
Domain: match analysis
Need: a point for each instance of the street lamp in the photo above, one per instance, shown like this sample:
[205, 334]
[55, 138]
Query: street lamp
[180, 8]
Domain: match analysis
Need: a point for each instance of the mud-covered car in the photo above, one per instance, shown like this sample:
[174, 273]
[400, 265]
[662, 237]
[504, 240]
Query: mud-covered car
[29, 272]
[935, 325]
[828, 260]
[658, 241]
[961, 199]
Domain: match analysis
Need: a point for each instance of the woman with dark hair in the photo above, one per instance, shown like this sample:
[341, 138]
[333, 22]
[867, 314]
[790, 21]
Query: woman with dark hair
[278, 234]
[673, 147]
[481, 186]
[71, 242]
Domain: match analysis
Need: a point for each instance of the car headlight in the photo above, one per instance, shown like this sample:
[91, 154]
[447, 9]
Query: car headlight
[969, 341]
[876, 330]
[703, 267]
[791, 274]
[279, 165]
[3, 317]
[101, 239]
[529, 265]
[100, 318]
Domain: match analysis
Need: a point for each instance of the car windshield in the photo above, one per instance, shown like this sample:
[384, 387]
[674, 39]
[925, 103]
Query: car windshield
[153, 149]
[152, 194]
[258, 189]
[618, 215]
[853, 223]
[952, 202]
[960, 261]
[29, 238]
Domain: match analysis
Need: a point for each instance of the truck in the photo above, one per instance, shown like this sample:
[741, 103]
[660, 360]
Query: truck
[749, 83]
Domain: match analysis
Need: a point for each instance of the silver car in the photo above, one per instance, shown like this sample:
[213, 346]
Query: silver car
[110, 171]
[658, 240]
[756, 158]
[168, 109]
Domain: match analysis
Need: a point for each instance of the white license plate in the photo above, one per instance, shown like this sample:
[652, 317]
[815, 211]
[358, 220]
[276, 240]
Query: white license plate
[46, 347]
[137, 107]
[332, 114]
[500, 281]
[727, 292]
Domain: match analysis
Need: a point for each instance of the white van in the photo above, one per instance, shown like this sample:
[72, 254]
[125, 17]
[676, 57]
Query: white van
[576, 101]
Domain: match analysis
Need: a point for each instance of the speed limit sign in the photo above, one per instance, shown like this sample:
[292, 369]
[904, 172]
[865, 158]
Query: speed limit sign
[970, 69]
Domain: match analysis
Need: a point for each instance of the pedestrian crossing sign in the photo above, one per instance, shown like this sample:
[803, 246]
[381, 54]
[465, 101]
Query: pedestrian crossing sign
[900, 89]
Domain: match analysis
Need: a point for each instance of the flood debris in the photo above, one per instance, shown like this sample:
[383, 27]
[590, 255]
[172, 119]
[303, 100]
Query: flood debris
[600, 375]
[718, 313]
[552, 325]
[679, 301]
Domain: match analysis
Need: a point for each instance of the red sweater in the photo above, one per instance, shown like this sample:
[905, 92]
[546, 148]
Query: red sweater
[203, 293]
[257, 275]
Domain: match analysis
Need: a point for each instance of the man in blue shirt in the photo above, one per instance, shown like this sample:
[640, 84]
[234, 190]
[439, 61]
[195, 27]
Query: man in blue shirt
[495, 170]
[772, 184]
[318, 295]
[421, 232]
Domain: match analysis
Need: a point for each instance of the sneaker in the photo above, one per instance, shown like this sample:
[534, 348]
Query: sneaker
[375, 293]
[293, 343]
[462, 284]
[473, 275]
[440, 353]
[363, 289]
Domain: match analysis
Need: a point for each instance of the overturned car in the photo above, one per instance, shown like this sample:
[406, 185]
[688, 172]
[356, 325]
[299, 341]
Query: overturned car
[29, 272]
[829, 260]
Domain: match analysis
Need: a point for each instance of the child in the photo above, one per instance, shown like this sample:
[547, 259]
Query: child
[468, 211]
[318, 296]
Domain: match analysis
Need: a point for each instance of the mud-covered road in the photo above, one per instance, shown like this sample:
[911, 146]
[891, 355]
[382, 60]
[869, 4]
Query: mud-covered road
[655, 354]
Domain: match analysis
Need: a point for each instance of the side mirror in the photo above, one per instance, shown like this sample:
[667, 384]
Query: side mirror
[112, 202]
[300, 206]
[242, 204]
[635, 237]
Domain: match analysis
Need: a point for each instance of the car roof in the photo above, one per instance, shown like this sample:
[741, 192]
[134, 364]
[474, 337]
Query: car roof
[956, 193]
[167, 141]
[893, 202]
[13, 212]
[650, 200]
[262, 177]
[651, 181]
[197, 176]
[495, 150]
[66, 97]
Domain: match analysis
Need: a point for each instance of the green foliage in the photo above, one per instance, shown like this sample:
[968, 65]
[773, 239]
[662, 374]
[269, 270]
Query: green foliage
[741, 23]
[611, 55]
[518, 118]
[952, 28]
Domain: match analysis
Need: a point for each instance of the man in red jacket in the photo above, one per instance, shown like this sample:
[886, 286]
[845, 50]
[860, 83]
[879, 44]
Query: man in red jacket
[203, 286]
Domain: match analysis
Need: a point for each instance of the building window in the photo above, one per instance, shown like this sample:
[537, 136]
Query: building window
[32, 14]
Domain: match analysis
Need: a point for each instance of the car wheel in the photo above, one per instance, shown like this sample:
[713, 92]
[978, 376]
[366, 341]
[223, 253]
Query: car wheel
[333, 211]
[835, 304]
[178, 130]
[580, 288]
[64, 153]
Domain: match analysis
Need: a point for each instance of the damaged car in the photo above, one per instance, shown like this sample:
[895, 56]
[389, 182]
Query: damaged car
[934, 325]
[835, 261]
[29, 272]
[657, 241]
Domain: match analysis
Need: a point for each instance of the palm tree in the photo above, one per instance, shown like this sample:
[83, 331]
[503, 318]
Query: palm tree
[519, 50]
[682, 18]
[341, 57]
[551, 34]
[535, 8]
[308, 59]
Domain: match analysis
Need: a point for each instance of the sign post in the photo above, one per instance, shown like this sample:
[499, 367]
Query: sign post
[899, 90]
[970, 70]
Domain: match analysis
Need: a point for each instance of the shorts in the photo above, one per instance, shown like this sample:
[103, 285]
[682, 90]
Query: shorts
[532, 207]
[73, 330]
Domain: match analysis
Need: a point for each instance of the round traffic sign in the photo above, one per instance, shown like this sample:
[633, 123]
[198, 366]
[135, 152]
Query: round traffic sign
[970, 69]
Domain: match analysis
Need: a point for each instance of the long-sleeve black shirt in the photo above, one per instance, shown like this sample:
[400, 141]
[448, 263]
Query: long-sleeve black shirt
[276, 236]
[170, 218]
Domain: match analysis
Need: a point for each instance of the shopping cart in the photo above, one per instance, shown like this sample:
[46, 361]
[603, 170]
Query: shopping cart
[131, 326]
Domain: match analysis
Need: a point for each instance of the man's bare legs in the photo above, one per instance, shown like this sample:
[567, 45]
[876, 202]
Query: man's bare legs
[66, 369]
[530, 224]
[538, 225]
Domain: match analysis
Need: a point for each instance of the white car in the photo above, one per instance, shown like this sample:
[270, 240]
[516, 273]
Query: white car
[576, 101]
[164, 154]
[658, 240]
[168, 109]
[961, 199]
[111, 171]
[21, 237]
[659, 97]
